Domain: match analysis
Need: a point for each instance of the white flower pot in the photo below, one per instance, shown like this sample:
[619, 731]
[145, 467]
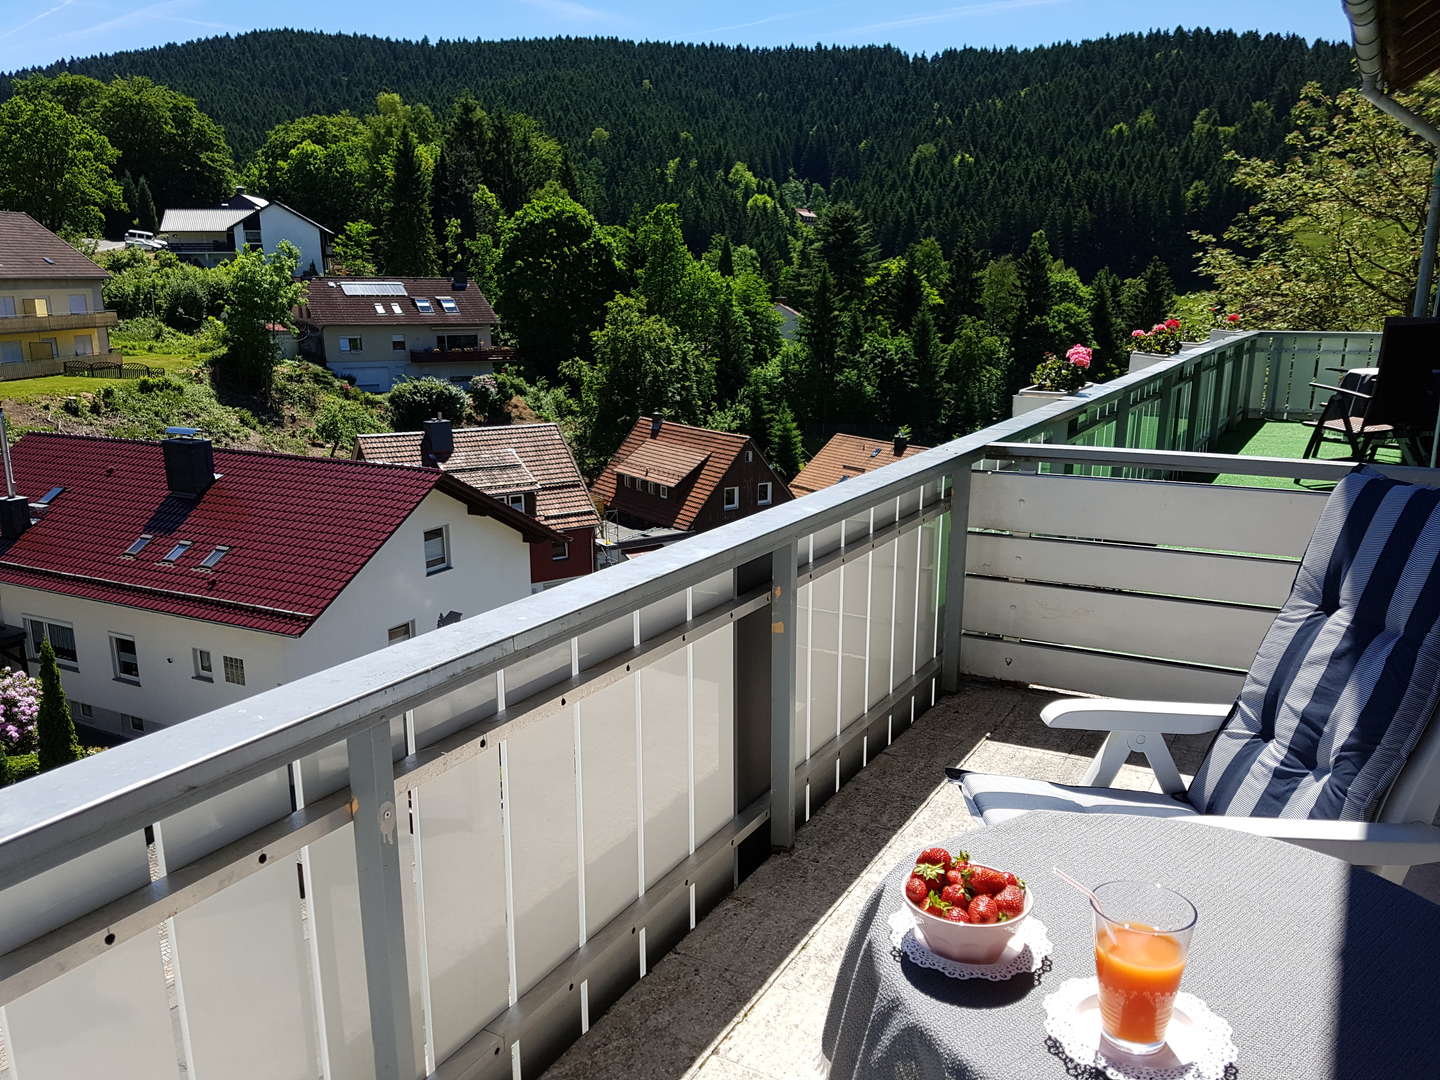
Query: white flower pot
[1032, 397]
[1140, 360]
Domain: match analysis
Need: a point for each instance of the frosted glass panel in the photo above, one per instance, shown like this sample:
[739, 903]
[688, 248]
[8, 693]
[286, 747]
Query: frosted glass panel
[463, 876]
[714, 657]
[604, 642]
[824, 657]
[824, 542]
[335, 900]
[246, 981]
[801, 749]
[44, 901]
[906, 565]
[662, 615]
[929, 553]
[108, 1018]
[456, 710]
[712, 591]
[665, 758]
[882, 602]
[607, 750]
[543, 854]
[225, 817]
[534, 674]
[854, 638]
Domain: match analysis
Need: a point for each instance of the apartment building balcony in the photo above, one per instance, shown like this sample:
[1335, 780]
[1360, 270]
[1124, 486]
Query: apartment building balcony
[459, 855]
[27, 324]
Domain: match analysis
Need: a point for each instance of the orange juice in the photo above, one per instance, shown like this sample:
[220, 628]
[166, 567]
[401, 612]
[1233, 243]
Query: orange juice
[1139, 973]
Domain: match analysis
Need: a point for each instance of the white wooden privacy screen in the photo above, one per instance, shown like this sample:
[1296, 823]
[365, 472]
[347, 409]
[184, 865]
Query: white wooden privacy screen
[446, 858]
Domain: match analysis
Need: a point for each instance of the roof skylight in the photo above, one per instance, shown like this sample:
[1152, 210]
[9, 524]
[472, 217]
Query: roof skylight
[448, 305]
[181, 546]
[379, 309]
[424, 306]
[208, 563]
[395, 308]
[135, 548]
[49, 496]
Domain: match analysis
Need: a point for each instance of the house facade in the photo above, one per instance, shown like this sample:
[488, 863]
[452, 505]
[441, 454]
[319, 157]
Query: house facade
[669, 480]
[207, 237]
[51, 308]
[171, 578]
[380, 331]
[527, 466]
[845, 456]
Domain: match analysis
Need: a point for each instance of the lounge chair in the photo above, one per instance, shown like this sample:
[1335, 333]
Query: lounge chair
[1332, 742]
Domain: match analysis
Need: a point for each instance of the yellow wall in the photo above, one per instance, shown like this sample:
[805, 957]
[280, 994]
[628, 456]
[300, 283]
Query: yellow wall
[50, 298]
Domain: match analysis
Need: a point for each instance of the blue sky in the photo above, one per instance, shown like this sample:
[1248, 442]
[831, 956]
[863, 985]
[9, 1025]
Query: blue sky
[40, 31]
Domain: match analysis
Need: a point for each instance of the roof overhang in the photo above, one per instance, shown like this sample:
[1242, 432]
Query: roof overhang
[477, 502]
[1397, 42]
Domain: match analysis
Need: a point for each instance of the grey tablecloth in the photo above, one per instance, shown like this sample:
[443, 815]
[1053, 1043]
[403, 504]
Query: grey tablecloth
[1322, 970]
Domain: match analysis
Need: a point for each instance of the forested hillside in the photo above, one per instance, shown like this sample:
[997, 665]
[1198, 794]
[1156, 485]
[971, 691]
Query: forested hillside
[1114, 147]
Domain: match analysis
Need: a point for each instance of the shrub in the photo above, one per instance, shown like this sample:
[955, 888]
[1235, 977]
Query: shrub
[414, 401]
[20, 767]
[1067, 374]
[19, 706]
[339, 421]
[485, 396]
[55, 731]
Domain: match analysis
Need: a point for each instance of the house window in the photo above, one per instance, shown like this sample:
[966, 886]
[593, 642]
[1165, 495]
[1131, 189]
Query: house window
[448, 305]
[404, 632]
[763, 493]
[126, 657]
[397, 342]
[517, 501]
[457, 342]
[82, 344]
[424, 306]
[213, 559]
[437, 550]
[138, 545]
[173, 555]
[234, 669]
[352, 344]
[11, 353]
[79, 304]
[629, 481]
[86, 711]
[204, 671]
[133, 723]
[559, 551]
[663, 491]
[35, 305]
[732, 498]
[7, 307]
[749, 456]
[61, 637]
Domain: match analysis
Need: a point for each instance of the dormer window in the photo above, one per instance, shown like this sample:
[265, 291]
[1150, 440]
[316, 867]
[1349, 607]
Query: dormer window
[448, 305]
[424, 306]
[175, 552]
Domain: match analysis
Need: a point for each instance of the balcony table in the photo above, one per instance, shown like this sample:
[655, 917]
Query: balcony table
[1292, 947]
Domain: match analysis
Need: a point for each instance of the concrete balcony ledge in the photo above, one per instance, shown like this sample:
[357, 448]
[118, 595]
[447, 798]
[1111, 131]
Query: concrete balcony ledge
[26, 324]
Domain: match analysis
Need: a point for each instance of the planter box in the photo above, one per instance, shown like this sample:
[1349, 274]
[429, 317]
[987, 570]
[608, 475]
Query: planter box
[1221, 335]
[1141, 360]
[1032, 397]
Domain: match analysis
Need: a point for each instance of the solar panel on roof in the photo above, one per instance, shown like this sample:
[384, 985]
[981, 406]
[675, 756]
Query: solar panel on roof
[373, 288]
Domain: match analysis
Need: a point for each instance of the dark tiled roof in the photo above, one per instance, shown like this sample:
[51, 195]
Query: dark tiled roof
[329, 305]
[846, 455]
[718, 449]
[299, 528]
[26, 245]
[480, 458]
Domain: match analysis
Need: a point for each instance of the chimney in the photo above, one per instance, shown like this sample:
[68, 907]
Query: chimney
[438, 442]
[239, 189]
[14, 516]
[901, 442]
[655, 427]
[457, 281]
[189, 462]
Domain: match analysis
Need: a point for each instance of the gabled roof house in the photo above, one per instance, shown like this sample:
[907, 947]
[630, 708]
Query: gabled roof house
[51, 310]
[173, 577]
[210, 235]
[845, 456]
[528, 466]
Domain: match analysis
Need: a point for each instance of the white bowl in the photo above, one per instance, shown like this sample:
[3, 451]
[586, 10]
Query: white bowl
[969, 943]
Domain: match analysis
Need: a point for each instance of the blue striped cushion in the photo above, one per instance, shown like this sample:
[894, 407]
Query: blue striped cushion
[1348, 676]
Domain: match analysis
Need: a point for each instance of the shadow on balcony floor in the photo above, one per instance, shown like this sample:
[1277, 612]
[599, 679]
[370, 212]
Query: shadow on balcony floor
[744, 994]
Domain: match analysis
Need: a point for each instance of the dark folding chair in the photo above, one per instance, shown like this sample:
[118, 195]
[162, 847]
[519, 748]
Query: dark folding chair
[1402, 404]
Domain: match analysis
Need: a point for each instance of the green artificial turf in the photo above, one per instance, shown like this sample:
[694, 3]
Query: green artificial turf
[1285, 439]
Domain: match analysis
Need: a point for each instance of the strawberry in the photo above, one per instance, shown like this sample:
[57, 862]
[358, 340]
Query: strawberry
[1010, 901]
[936, 906]
[982, 910]
[954, 894]
[932, 872]
[917, 890]
[1011, 879]
[985, 880]
[937, 855]
[956, 876]
[957, 913]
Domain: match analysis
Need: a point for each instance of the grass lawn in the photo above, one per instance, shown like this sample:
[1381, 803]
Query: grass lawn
[1273, 438]
[68, 385]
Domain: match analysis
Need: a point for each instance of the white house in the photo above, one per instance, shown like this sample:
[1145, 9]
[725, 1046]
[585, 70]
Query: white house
[171, 578]
[210, 236]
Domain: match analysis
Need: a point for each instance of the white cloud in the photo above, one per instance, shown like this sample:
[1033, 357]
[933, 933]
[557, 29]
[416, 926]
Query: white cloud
[569, 9]
[950, 14]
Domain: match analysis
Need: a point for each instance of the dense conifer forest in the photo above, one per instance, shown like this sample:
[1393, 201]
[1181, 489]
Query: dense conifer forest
[1114, 147]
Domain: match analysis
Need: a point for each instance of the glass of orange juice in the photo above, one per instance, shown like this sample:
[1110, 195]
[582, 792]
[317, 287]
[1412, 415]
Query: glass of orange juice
[1142, 937]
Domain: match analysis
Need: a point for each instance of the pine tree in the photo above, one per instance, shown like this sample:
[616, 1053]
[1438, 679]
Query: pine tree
[145, 214]
[726, 262]
[409, 229]
[58, 744]
[926, 377]
[1107, 326]
[786, 448]
[127, 211]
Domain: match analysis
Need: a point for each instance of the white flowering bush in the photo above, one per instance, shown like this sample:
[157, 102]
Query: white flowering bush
[19, 707]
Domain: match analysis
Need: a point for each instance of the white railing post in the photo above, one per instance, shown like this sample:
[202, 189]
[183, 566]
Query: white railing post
[957, 533]
[382, 916]
[783, 610]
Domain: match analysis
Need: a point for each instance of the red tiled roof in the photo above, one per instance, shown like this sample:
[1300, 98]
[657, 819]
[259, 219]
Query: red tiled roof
[25, 245]
[683, 443]
[486, 457]
[662, 462]
[299, 528]
[844, 456]
[327, 303]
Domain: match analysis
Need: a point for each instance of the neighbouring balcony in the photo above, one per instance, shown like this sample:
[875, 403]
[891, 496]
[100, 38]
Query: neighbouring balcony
[452, 857]
[484, 354]
[26, 324]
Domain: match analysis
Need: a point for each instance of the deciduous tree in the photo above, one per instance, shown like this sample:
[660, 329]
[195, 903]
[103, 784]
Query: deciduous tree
[55, 167]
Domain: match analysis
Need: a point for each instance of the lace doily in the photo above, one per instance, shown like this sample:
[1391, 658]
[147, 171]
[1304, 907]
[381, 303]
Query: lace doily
[1028, 952]
[1198, 1045]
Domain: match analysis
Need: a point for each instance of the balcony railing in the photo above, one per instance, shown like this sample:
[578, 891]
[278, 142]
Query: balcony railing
[445, 857]
[491, 354]
[25, 324]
